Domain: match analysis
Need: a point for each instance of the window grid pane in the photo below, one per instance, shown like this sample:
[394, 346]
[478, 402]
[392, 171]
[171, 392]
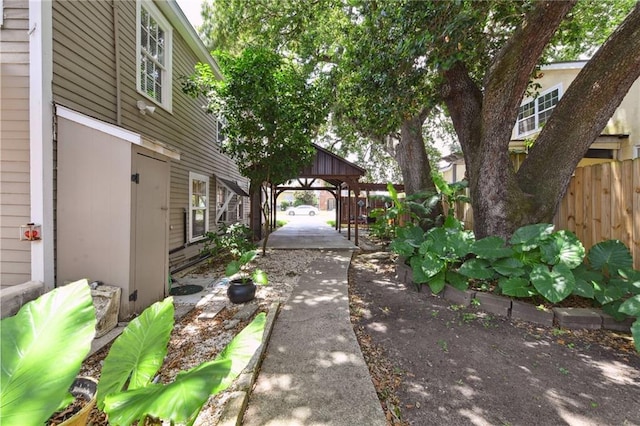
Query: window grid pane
[197, 223]
[152, 56]
[199, 207]
[526, 118]
[534, 114]
[546, 104]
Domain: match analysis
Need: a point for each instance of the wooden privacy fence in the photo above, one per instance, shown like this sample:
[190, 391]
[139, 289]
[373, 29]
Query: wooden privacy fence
[602, 203]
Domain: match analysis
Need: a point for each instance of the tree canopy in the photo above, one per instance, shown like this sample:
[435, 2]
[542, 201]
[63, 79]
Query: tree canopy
[271, 110]
[391, 62]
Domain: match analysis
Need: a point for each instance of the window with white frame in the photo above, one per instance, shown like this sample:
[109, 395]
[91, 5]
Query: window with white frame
[198, 206]
[222, 198]
[534, 113]
[240, 208]
[153, 50]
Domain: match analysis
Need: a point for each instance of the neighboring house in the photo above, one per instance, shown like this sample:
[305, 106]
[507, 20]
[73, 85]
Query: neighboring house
[619, 140]
[102, 149]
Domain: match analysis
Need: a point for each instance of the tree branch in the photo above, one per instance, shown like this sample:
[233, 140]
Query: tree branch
[584, 110]
[511, 70]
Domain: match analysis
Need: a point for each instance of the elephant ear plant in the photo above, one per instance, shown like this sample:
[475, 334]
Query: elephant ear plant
[612, 282]
[127, 392]
[43, 347]
[240, 266]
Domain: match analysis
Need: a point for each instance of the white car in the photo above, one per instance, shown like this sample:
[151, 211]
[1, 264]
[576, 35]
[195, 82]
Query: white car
[302, 210]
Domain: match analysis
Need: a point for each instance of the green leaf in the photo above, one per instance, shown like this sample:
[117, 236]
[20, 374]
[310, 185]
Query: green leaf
[260, 277]
[419, 277]
[476, 268]
[425, 247]
[439, 241]
[457, 280]
[451, 222]
[517, 287]
[509, 267]
[232, 268]
[491, 248]
[583, 289]
[585, 279]
[631, 306]
[414, 235]
[431, 264]
[459, 242]
[607, 293]
[632, 278]
[437, 282]
[43, 347]
[402, 247]
[181, 400]
[635, 332]
[554, 285]
[609, 256]
[137, 354]
[529, 237]
[528, 258]
[247, 257]
[613, 310]
[563, 247]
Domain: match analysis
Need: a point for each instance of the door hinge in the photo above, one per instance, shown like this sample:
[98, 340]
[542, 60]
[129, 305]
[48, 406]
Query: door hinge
[135, 177]
[133, 296]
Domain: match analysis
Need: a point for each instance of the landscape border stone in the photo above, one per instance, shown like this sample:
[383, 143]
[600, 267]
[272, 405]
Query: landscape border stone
[577, 318]
[233, 410]
[530, 313]
[610, 323]
[459, 297]
[494, 304]
[572, 318]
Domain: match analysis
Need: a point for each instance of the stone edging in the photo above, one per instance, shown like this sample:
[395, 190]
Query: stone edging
[570, 318]
[233, 409]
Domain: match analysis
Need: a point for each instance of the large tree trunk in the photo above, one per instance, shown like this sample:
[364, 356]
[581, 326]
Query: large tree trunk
[579, 118]
[483, 121]
[503, 200]
[413, 160]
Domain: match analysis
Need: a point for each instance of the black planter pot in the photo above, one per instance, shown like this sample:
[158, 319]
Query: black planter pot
[241, 290]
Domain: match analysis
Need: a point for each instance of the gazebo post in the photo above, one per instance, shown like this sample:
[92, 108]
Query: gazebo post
[273, 207]
[348, 212]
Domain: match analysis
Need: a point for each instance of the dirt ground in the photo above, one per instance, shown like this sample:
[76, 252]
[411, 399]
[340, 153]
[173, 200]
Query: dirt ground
[435, 363]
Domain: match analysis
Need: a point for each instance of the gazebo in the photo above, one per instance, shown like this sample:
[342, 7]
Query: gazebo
[337, 173]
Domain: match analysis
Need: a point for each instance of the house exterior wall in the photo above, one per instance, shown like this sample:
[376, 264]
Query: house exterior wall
[15, 255]
[94, 206]
[95, 74]
[624, 121]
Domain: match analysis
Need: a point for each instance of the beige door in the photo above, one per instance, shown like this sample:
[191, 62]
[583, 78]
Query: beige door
[150, 182]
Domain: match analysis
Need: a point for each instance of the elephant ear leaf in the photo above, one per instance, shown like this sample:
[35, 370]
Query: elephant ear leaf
[137, 354]
[181, 400]
[43, 347]
[610, 256]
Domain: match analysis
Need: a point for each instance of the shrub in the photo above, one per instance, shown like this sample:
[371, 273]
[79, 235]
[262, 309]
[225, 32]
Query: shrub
[537, 261]
[43, 347]
[44, 344]
[126, 391]
[230, 240]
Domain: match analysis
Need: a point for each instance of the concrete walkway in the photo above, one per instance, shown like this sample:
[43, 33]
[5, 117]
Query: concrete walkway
[314, 372]
[308, 233]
